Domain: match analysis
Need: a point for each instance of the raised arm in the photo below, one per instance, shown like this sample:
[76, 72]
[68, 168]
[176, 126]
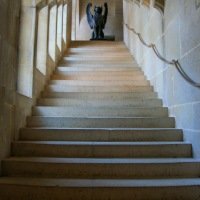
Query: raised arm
[89, 16]
[105, 13]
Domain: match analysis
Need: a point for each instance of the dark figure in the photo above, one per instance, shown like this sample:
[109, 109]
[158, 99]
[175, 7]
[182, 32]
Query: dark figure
[97, 21]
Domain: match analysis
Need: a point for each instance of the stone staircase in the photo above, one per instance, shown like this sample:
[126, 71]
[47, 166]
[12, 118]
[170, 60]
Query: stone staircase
[99, 132]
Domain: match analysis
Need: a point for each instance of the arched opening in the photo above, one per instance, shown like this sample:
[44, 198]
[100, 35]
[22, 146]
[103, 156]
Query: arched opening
[26, 49]
[52, 32]
[160, 5]
[74, 16]
[64, 28]
[42, 40]
[147, 3]
[137, 2]
[60, 27]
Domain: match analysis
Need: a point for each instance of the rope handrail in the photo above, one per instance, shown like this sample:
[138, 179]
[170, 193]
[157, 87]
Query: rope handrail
[173, 62]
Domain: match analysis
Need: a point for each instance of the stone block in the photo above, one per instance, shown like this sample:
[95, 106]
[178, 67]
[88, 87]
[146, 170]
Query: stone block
[146, 64]
[38, 83]
[172, 10]
[24, 82]
[172, 113]
[4, 19]
[172, 42]
[159, 83]
[2, 95]
[189, 20]
[169, 92]
[196, 110]
[183, 91]
[22, 110]
[151, 64]
[13, 30]
[185, 116]
[8, 66]
[1, 66]
[4, 61]
[156, 26]
[7, 127]
[194, 138]
[14, 7]
[2, 99]
[159, 65]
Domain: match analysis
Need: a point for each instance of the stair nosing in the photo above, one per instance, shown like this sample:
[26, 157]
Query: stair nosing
[105, 183]
[59, 160]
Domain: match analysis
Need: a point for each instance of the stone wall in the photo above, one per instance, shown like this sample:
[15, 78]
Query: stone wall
[177, 36]
[14, 105]
[114, 20]
[9, 28]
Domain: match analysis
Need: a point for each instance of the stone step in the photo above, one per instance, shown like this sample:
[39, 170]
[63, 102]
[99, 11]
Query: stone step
[98, 77]
[97, 69]
[100, 103]
[98, 122]
[93, 168]
[102, 64]
[101, 54]
[97, 58]
[99, 83]
[97, 50]
[20, 188]
[78, 149]
[97, 45]
[112, 95]
[63, 88]
[119, 48]
[100, 73]
[115, 135]
[98, 112]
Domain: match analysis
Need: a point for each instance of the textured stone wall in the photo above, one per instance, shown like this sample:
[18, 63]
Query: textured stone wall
[9, 28]
[114, 21]
[16, 106]
[177, 36]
